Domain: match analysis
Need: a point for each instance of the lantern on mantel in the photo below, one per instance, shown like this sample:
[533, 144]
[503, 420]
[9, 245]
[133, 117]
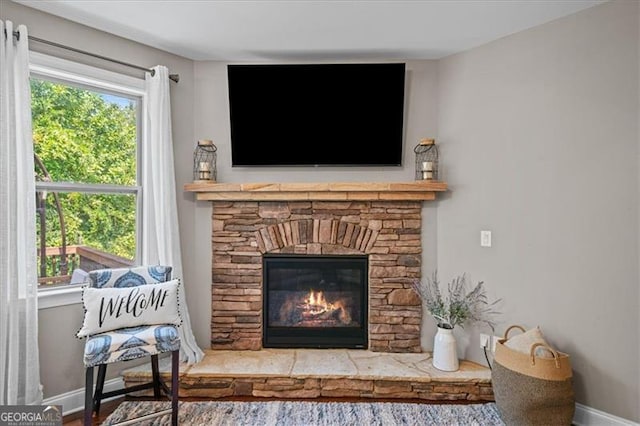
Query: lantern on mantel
[204, 161]
[426, 160]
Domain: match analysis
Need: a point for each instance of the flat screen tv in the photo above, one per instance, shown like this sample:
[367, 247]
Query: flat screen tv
[317, 114]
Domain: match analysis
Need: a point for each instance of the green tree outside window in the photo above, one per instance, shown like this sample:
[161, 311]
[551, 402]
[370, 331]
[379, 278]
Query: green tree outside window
[86, 137]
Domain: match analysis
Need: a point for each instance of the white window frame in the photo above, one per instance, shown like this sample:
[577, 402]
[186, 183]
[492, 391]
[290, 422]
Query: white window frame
[65, 71]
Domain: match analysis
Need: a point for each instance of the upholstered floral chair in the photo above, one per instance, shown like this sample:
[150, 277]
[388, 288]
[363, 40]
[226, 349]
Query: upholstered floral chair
[130, 313]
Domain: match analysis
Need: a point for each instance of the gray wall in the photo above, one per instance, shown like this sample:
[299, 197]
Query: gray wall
[61, 365]
[539, 135]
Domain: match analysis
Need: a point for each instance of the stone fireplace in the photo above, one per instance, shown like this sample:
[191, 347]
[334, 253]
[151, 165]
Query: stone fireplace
[297, 224]
[385, 234]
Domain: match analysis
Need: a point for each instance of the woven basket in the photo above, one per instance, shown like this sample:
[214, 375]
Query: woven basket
[530, 390]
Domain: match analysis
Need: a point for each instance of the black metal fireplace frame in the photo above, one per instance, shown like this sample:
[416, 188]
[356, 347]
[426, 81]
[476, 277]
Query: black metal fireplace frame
[316, 337]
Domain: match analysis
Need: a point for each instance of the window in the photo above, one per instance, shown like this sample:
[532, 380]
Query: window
[86, 134]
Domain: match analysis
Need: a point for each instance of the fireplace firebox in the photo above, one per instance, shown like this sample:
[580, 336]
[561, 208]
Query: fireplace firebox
[315, 301]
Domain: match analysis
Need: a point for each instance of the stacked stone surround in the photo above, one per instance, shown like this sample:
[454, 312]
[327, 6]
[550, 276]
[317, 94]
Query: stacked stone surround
[387, 231]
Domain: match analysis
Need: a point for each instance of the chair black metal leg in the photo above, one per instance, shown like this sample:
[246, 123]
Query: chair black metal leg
[88, 396]
[175, 372]
[97, 398]
[155, 374]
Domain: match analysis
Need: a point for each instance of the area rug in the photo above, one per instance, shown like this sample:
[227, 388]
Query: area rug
[304, 413]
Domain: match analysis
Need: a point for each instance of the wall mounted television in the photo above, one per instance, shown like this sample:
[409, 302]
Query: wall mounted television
[317, 114]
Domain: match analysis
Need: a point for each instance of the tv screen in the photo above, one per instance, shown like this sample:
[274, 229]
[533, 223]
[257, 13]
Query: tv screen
[320, 114]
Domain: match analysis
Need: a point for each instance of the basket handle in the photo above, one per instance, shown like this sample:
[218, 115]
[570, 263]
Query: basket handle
[553, 351]
[506, 333]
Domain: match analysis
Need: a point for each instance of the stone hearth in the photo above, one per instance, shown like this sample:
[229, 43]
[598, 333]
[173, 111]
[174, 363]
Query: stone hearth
[318, 373]
[387, 231]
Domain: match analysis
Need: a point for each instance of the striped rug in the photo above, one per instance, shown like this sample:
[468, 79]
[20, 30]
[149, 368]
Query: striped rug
[304, 413]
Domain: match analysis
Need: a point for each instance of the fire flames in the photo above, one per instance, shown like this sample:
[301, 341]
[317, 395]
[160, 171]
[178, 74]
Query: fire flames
[314, 310]
[317, 304]
[317, 307]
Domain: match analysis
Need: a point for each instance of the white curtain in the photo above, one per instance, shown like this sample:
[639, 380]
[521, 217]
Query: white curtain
[161, 237]
[19, 360]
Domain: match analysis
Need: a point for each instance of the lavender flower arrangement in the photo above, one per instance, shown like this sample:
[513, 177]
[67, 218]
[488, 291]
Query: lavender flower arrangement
[458, 306]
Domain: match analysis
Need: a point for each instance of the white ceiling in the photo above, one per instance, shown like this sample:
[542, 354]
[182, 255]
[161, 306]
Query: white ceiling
[311, 30]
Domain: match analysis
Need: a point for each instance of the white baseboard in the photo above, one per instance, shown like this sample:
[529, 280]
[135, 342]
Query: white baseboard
[73, 401]
[587, 416]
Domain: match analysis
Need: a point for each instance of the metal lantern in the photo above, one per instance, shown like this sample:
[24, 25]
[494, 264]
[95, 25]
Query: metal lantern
[426, 160]
[204, 161]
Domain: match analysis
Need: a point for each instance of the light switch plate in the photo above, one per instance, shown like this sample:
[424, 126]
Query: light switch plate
[485, 238]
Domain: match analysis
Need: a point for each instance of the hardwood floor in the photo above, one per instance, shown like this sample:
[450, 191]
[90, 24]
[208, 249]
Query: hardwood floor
[107, 408]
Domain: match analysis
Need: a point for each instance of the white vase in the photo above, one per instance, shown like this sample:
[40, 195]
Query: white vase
[445, 354]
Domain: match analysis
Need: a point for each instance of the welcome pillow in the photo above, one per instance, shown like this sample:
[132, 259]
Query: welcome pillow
[108, 309]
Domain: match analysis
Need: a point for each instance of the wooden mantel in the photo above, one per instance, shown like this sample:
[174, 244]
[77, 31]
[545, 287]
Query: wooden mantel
[335, 191]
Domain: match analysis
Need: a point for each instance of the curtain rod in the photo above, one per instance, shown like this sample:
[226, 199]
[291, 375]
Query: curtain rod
[172, 77]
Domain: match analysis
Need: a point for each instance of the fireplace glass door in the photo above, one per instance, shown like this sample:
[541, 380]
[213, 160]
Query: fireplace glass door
[315, 301]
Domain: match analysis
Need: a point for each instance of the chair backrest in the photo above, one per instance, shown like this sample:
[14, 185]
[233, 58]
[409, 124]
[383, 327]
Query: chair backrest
[129, 277]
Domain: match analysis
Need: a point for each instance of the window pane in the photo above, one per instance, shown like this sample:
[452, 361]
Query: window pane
[83, 136]
[83, 231]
